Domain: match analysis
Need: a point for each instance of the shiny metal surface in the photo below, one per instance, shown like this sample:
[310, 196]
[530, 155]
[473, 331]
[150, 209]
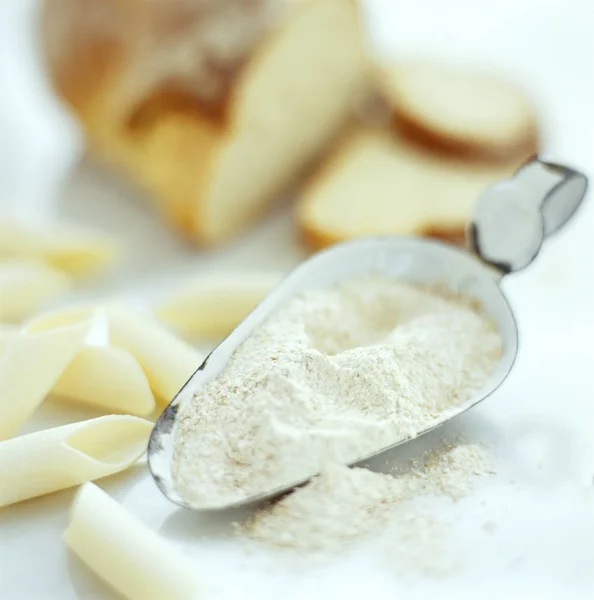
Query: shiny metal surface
[512, 218]
[542, 196]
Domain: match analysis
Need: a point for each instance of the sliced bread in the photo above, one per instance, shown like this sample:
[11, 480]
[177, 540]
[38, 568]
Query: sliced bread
[471, 113]
[375, 183]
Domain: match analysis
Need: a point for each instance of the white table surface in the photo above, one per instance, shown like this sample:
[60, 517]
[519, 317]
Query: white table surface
[540, 424]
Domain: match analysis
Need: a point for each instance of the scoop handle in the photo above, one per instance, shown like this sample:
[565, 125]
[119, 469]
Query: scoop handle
[512, 218]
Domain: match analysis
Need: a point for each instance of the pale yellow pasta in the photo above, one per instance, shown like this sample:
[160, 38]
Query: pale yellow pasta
[26, 286]
[102, 375]
[30, 366]
[54, 459]
[215, 304]
[66, 316]
[7, 334]
[167, 361]
[125, 553]
[66, 247]
[107, 377]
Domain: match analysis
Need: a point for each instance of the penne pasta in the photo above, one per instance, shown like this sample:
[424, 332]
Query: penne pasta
[214, 305]
[125, 553]
[167, 361]
[108, 377]
[26, 286]
[62, 317]
[71, 249]
[54, 459]
[100, 374]
[30, 366]
[8, 333]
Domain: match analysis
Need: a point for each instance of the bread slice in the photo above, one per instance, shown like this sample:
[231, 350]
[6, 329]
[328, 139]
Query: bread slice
[214, 107]
[470, 113]
[375, 183]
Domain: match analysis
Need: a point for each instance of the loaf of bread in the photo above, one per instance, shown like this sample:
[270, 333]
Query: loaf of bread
[376, 183]
[213, 106]
[475, 114]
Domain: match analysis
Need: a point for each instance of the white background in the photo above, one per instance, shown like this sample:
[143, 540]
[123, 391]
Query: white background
[540, 424]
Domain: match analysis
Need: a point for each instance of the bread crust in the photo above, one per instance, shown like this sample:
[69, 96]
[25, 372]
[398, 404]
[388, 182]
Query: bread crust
[409, 122]
[415, 132]
[318, 239]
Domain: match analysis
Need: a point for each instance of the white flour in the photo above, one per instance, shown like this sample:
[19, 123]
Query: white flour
[335, 374]
[344, 504]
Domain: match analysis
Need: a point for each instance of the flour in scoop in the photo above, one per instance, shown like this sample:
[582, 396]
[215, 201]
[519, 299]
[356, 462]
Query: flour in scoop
[335, 374]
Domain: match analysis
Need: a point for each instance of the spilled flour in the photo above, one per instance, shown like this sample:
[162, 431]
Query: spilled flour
[335, 374]
[344, 504]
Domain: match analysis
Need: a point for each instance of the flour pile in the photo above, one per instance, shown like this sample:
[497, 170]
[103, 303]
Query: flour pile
[342, 504]
[335, 374]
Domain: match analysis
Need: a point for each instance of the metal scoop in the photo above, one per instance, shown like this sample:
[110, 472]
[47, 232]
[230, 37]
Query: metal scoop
[511, 220]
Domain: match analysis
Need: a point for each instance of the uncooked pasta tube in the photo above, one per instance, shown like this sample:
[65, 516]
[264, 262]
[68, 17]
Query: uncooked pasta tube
[99, 374]
[125, 553]
[65, 316]
[7, 334]
[214, 305]
[26, 286]
[53, 459]
[30, 366]
[167, 361]
[65, 247]
[108, 377]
